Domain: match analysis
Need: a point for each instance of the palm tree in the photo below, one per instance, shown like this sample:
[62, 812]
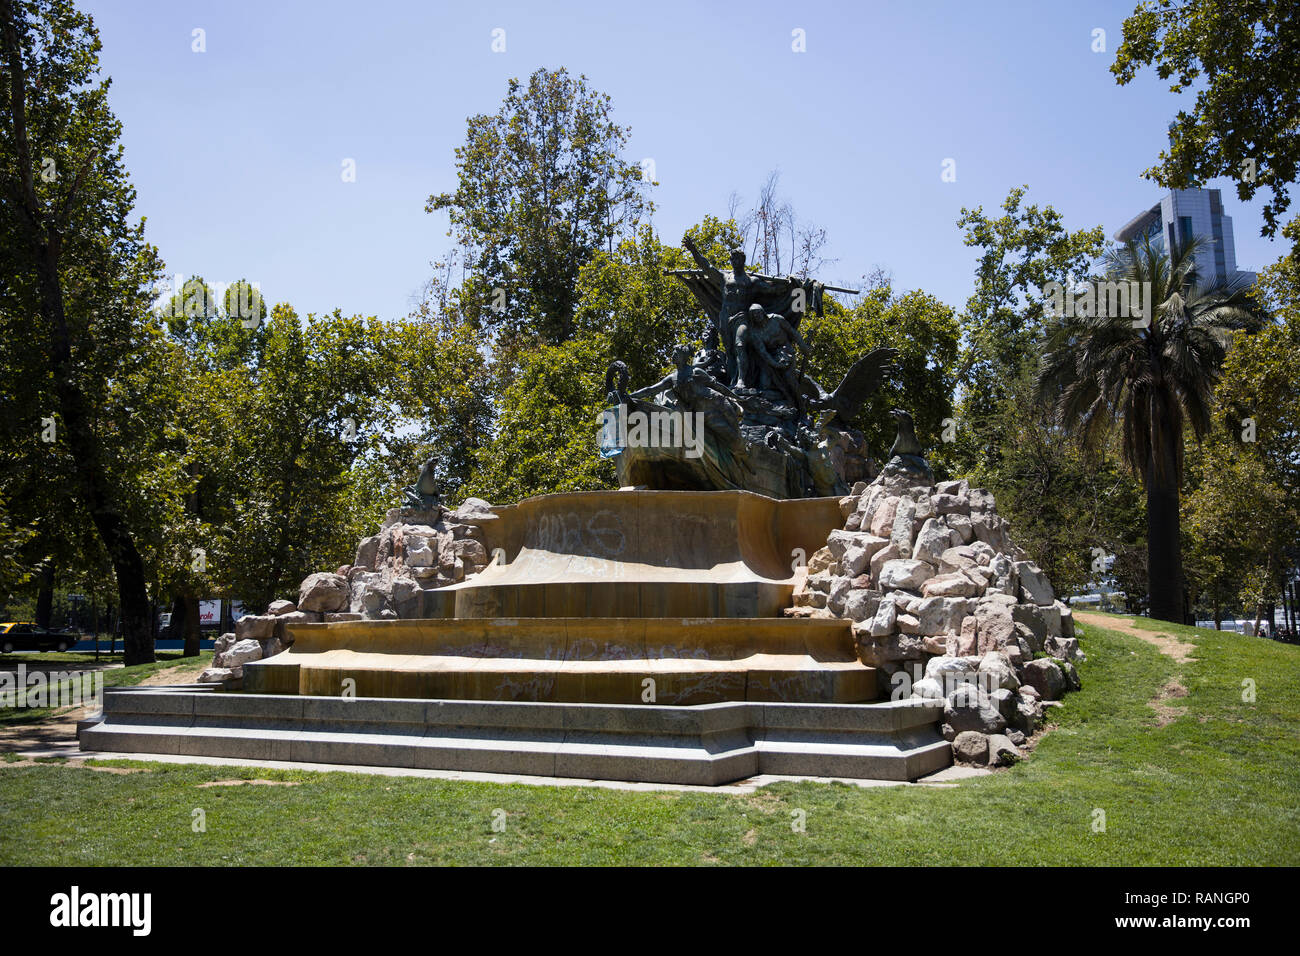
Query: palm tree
[1154, 375]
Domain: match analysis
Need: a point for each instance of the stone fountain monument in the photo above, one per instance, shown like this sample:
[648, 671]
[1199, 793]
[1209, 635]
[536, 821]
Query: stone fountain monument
[708, 621]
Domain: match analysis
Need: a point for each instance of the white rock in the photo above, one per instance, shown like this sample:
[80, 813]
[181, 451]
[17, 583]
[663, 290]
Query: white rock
[1051, 618]
[854, 549]
[241, 653]
[882, 625]
[950, 671]
[1004, 575]
[257, 627]
[882, 521]
[957, 559]
[905, 573]
[935, 538]
[421, 557]
[473, 508]
[951, 584]
[861, 604]
[881, 558]
[838, 591]
[999, 670]
[901, 534]
[928, 689]
[324, 592]
[940, 615]
[946, 504]
[1002, 752]
[1034, 586]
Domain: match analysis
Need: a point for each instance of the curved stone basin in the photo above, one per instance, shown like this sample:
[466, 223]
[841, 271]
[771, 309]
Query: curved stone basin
[641, 554]
[601, 597]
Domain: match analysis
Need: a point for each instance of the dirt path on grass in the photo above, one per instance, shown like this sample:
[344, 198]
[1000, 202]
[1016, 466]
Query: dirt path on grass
[1167, 644]
[59, 729]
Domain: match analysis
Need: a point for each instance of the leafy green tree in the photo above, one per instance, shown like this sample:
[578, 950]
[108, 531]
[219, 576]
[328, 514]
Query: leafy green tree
[80, 267]
[542, 187]
[924, 332]
[442, 390]
[1258, 398]
[296, 425]
[1240, 57]
[1240, 521]
[546, 433]
[1259, 410]
[204, 354]
[14, 537]
[1073, 509]
[625, 296]
[1278, 285]
[1004, 321]
[217, 331]
[549, 427]
[1153, 376]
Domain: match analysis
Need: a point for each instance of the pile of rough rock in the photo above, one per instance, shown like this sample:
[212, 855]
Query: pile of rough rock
[257, 636]
[947, 607]
[413, 553]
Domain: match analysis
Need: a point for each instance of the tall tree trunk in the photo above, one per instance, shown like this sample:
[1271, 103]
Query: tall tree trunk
[44, 235]
[177, 623]
[192, 632]
[45, 596]
[1259, 606]
[128, 567]
[1291, 601]
[280, 556]
[1164, 543]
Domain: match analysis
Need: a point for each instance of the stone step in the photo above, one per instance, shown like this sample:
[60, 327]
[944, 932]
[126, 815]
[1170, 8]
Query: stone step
[591, 660]
[707, 744]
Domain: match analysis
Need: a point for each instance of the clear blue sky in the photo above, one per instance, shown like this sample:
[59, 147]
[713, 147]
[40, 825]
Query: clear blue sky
[236, 152]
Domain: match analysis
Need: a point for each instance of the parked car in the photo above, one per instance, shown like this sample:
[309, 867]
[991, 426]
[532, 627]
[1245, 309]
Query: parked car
[26, 636]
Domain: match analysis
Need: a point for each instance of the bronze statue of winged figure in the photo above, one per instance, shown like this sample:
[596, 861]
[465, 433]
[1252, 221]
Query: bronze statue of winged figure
[767, 425]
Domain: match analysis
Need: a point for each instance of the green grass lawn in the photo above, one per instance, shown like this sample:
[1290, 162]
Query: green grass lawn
[74, 663]
[1217, 785]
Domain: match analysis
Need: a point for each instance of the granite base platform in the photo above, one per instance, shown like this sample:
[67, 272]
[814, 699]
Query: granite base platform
[708, 744]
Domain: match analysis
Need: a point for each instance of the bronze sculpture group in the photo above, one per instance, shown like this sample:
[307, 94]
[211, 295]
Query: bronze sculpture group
[768, 426]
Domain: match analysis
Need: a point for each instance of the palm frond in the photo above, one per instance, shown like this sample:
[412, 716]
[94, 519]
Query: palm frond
[1155, 380]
